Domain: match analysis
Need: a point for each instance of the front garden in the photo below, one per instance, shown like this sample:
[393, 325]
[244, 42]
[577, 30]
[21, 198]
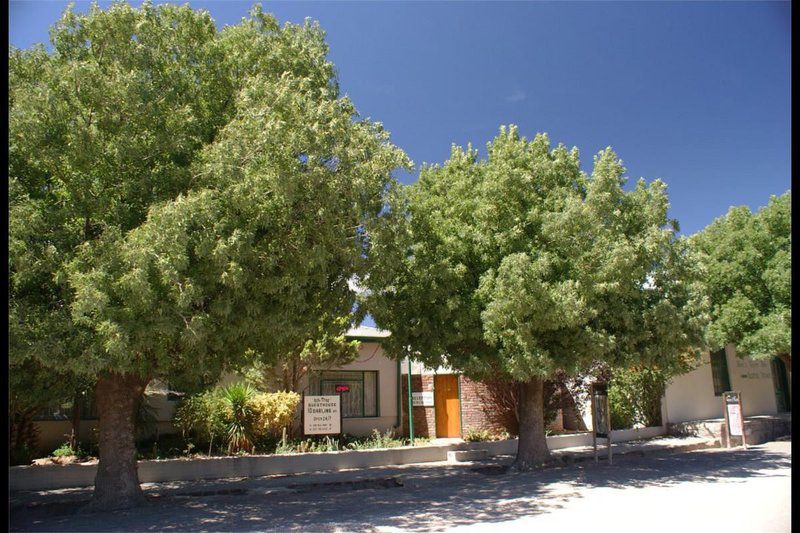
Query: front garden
[235, 420]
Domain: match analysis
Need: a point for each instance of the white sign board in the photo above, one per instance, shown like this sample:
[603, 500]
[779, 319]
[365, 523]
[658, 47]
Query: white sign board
[422, 399]
[322, 415]
[734, 420]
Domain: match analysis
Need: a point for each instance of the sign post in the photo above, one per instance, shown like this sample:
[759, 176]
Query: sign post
[322, 415]
[410, 404]
[601, 421]
[734, 416]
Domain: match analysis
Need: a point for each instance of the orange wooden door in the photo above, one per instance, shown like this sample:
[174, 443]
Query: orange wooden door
[446, 402]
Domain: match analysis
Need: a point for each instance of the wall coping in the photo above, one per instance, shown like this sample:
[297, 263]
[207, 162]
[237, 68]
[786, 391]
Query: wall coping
[48, 477]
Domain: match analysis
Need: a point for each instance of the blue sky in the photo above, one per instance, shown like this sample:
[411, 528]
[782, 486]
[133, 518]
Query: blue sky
[697, 94]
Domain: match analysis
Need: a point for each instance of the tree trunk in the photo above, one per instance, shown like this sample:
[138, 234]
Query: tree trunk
[116, 485]
[532, 449]
[77, 404]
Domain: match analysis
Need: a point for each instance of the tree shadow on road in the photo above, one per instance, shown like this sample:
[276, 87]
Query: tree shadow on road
[427, 502]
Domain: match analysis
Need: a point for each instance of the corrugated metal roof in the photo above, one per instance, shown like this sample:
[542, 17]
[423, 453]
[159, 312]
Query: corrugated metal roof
[367, 332]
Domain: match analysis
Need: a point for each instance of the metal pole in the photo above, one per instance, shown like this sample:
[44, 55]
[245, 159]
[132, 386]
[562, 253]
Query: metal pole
[410, 406]
[594, 422]
[608, 428]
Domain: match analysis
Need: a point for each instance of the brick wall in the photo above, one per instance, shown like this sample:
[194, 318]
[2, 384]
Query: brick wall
[475, 411]
[424, 417]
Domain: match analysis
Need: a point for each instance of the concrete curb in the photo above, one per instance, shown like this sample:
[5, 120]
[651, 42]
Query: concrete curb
[303, 482]
[50, 477]
[577, 457]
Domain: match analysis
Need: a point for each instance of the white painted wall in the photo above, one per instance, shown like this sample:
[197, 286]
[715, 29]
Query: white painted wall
[372, 357]
[691, 395]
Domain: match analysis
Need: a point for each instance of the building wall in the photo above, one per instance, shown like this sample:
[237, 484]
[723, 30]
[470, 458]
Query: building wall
[424, 417]
[691, 395]
[475, 410]
[372, 357]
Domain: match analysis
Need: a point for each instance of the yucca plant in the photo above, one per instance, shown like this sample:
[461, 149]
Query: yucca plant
[237, 401]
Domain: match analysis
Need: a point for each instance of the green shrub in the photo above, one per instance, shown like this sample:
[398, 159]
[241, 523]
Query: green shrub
[272, 413]
[634, 397]
[621, 406]
[203, 417]
[376, 440]
[65, 450]
[477, 435]
[165, 446]
[482, 435]
[236, 418]
[22, 455]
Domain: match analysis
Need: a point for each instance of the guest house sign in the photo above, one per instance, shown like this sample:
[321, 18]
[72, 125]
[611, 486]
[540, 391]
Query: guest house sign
[422, 399]
[322, 415]
[734, 417]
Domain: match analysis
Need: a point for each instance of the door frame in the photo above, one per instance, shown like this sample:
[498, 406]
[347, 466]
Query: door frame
[458, 397]
[780, 378]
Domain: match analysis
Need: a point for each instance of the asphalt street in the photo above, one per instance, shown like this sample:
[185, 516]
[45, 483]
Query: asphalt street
[736, 490]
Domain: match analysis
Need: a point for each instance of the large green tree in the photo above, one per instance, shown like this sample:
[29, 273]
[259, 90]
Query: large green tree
[521, 265]
[748, 275]
[182, 200]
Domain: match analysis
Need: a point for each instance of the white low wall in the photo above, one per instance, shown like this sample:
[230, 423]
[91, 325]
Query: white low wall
[50, 477]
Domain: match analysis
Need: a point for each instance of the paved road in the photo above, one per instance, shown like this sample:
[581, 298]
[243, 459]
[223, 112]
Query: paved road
[709, 490]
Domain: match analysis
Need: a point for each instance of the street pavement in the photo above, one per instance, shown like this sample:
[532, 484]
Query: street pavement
[705, 490]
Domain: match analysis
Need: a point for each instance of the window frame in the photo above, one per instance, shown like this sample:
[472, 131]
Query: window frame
[320, 379]
[63, 412]
[720, 374]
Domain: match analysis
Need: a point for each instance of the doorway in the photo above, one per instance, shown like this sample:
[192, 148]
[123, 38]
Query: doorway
[781, 384]
[448, 405]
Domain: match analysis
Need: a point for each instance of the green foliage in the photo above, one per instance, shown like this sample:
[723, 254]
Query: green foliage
[477, 435]
[32, 387]
[623, 407]
[376, 440]
[522, 265]
[203, 416]
[237, 417]
[22, 455]
[325, 351]
[483, 435]
[635, 394]
[65, 450]
[219, 201]
[165, 446]
[747, 261]
[272, 413]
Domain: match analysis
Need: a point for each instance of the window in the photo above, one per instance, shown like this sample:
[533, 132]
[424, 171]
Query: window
[359, 391]
[64, 411]
[719, 372]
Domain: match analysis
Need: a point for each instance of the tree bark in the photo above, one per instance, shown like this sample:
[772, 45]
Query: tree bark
[116, 485]
[532, 450]
[74, 440]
